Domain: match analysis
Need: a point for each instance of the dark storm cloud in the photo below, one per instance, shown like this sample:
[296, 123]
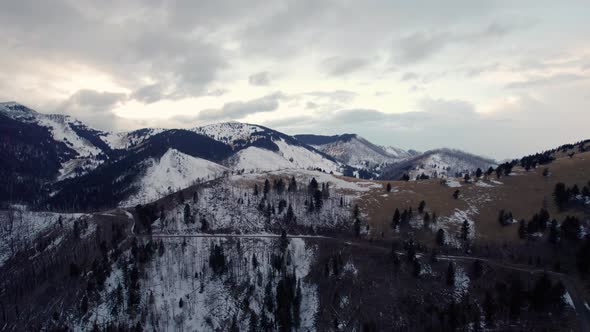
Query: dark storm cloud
[130, 48]
[421, 45]
[149, 93]
[261, 78]
[179, 46]
[240, 109]
[338, 65]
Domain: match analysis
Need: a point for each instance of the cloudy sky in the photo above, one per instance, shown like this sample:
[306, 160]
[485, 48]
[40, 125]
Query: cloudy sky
[498, 78]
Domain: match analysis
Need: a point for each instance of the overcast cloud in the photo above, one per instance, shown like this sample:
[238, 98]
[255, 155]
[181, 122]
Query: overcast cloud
[495, 77]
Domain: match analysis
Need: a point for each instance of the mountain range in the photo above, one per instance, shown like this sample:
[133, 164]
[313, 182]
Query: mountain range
[58, 161]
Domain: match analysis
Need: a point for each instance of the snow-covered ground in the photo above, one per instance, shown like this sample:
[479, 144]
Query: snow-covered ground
[212, 301]
[20, 228]
[452, 183]
[78, 166]
[172, 172]
[231, 204]
[125, 140]
[255, 159]
[461, 286]
[303, 158]
[348, 186]
[228, 132]
[447, 163]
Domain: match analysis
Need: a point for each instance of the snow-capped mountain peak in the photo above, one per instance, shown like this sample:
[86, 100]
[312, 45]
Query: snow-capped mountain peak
[171, 172]
[229, 132]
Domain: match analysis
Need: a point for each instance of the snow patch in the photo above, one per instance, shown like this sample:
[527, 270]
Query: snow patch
[567, 299]
[453, 183]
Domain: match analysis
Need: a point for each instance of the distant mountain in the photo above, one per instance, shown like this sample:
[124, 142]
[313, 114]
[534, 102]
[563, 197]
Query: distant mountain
[440, 163]
[58, 160]
[260, 149]
[37, 149]
[356, 151]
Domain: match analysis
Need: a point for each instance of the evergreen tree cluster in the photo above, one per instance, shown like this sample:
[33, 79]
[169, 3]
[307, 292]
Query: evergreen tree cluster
[563, 194]
[217, 260]
[508, 301]
[146, 214]
[538, 224]
[505, 218]
[403, 218]
[532, 161]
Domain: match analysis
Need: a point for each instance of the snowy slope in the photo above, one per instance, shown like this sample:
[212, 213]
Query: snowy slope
[262, 149]
[354, 150]
[126, 140]
[288, 157]
[304, 158]
[397, 152]
[63, 129]
[211, 301]
[172, 172]
[27, 226]
[257, 159]
[441, 163]
[229, 132]
[59, 125]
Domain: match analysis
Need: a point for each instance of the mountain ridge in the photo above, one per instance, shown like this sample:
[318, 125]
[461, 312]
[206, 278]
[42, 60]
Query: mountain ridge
[91, 168]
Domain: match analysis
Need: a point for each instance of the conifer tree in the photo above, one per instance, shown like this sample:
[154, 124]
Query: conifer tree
[561, 195]
[522, 229]
[187, 214]
[266, 188]
[489, 309]
[451, 274]
[490, 171]
[396, 219]
[292, 185]
[426, 220]
[465, 230]
[253, 324]
[554, 232]
[417, 268]
[440, 237]
[421, 206]
[313, 186]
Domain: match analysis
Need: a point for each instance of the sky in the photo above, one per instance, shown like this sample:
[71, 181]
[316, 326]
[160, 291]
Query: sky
[497, 78]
